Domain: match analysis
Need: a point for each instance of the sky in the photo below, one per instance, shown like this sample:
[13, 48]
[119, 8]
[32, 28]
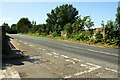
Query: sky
[11, 12]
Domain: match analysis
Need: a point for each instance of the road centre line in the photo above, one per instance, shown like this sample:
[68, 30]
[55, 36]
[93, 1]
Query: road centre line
[107, 53]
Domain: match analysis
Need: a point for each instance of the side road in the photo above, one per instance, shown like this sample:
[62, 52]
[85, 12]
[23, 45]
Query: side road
[24, 65]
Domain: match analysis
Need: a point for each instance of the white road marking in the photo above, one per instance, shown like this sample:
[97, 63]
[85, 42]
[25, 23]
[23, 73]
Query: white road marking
[56, 56]
[39, 48]
[107, 53]
[111, 70]
[30, 45]
[67, 60]
[64, 56]
[90, 70]
[67, 76]
[73, 62]
[43, 49]
[25, 43]
[49, 54]
[102, 52]
[75, 59]
[83, 65]
[55, 53]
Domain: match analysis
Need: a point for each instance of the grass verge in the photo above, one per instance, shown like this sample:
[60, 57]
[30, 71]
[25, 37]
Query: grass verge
[73, 40]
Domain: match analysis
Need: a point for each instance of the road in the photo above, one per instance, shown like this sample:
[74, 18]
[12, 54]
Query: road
[104, 57]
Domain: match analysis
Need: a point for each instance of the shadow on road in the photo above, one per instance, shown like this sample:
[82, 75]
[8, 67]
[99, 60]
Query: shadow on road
[11, 56]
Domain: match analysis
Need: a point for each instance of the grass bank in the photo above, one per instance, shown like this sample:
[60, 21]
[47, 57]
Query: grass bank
[100, 44]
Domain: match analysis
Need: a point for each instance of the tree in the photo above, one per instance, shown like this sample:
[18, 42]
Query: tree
[109, 29]
[68, 29]
[118, 22]
[60, 16]
[80, 24]
[89, 23]
[118, 16]
[7, 27]
[103, 26]
[13, 29]
[24, 25]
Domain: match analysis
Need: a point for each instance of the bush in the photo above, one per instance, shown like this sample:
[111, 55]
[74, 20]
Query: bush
[83, 36]
[98, 36]
[54, 34]
[92, 40]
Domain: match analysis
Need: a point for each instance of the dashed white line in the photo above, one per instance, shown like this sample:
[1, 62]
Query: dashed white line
[39, 48]
[107, 53]
[56, 56]
[30, 45]
[67, 60]
[25, 43]
[43, 49]
[102, 52]
[83, 65]
[72, 62]
[68, 77]
[75, 59]
[111, 70]
[55, 53]
[64, 56]
[49, 54]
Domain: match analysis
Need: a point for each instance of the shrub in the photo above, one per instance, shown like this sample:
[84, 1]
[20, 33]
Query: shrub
[98, 36]
[54, 34]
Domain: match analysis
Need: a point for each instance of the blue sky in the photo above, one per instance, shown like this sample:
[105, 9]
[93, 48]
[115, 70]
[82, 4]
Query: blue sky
[11, 12]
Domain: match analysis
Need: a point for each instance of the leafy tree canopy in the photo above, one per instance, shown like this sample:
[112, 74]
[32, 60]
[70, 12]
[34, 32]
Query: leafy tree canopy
[24, 25]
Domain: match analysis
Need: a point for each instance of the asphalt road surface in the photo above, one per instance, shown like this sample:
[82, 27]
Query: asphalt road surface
[105, 57]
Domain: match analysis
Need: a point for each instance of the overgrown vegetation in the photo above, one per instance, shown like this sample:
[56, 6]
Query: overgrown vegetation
[64, 21]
